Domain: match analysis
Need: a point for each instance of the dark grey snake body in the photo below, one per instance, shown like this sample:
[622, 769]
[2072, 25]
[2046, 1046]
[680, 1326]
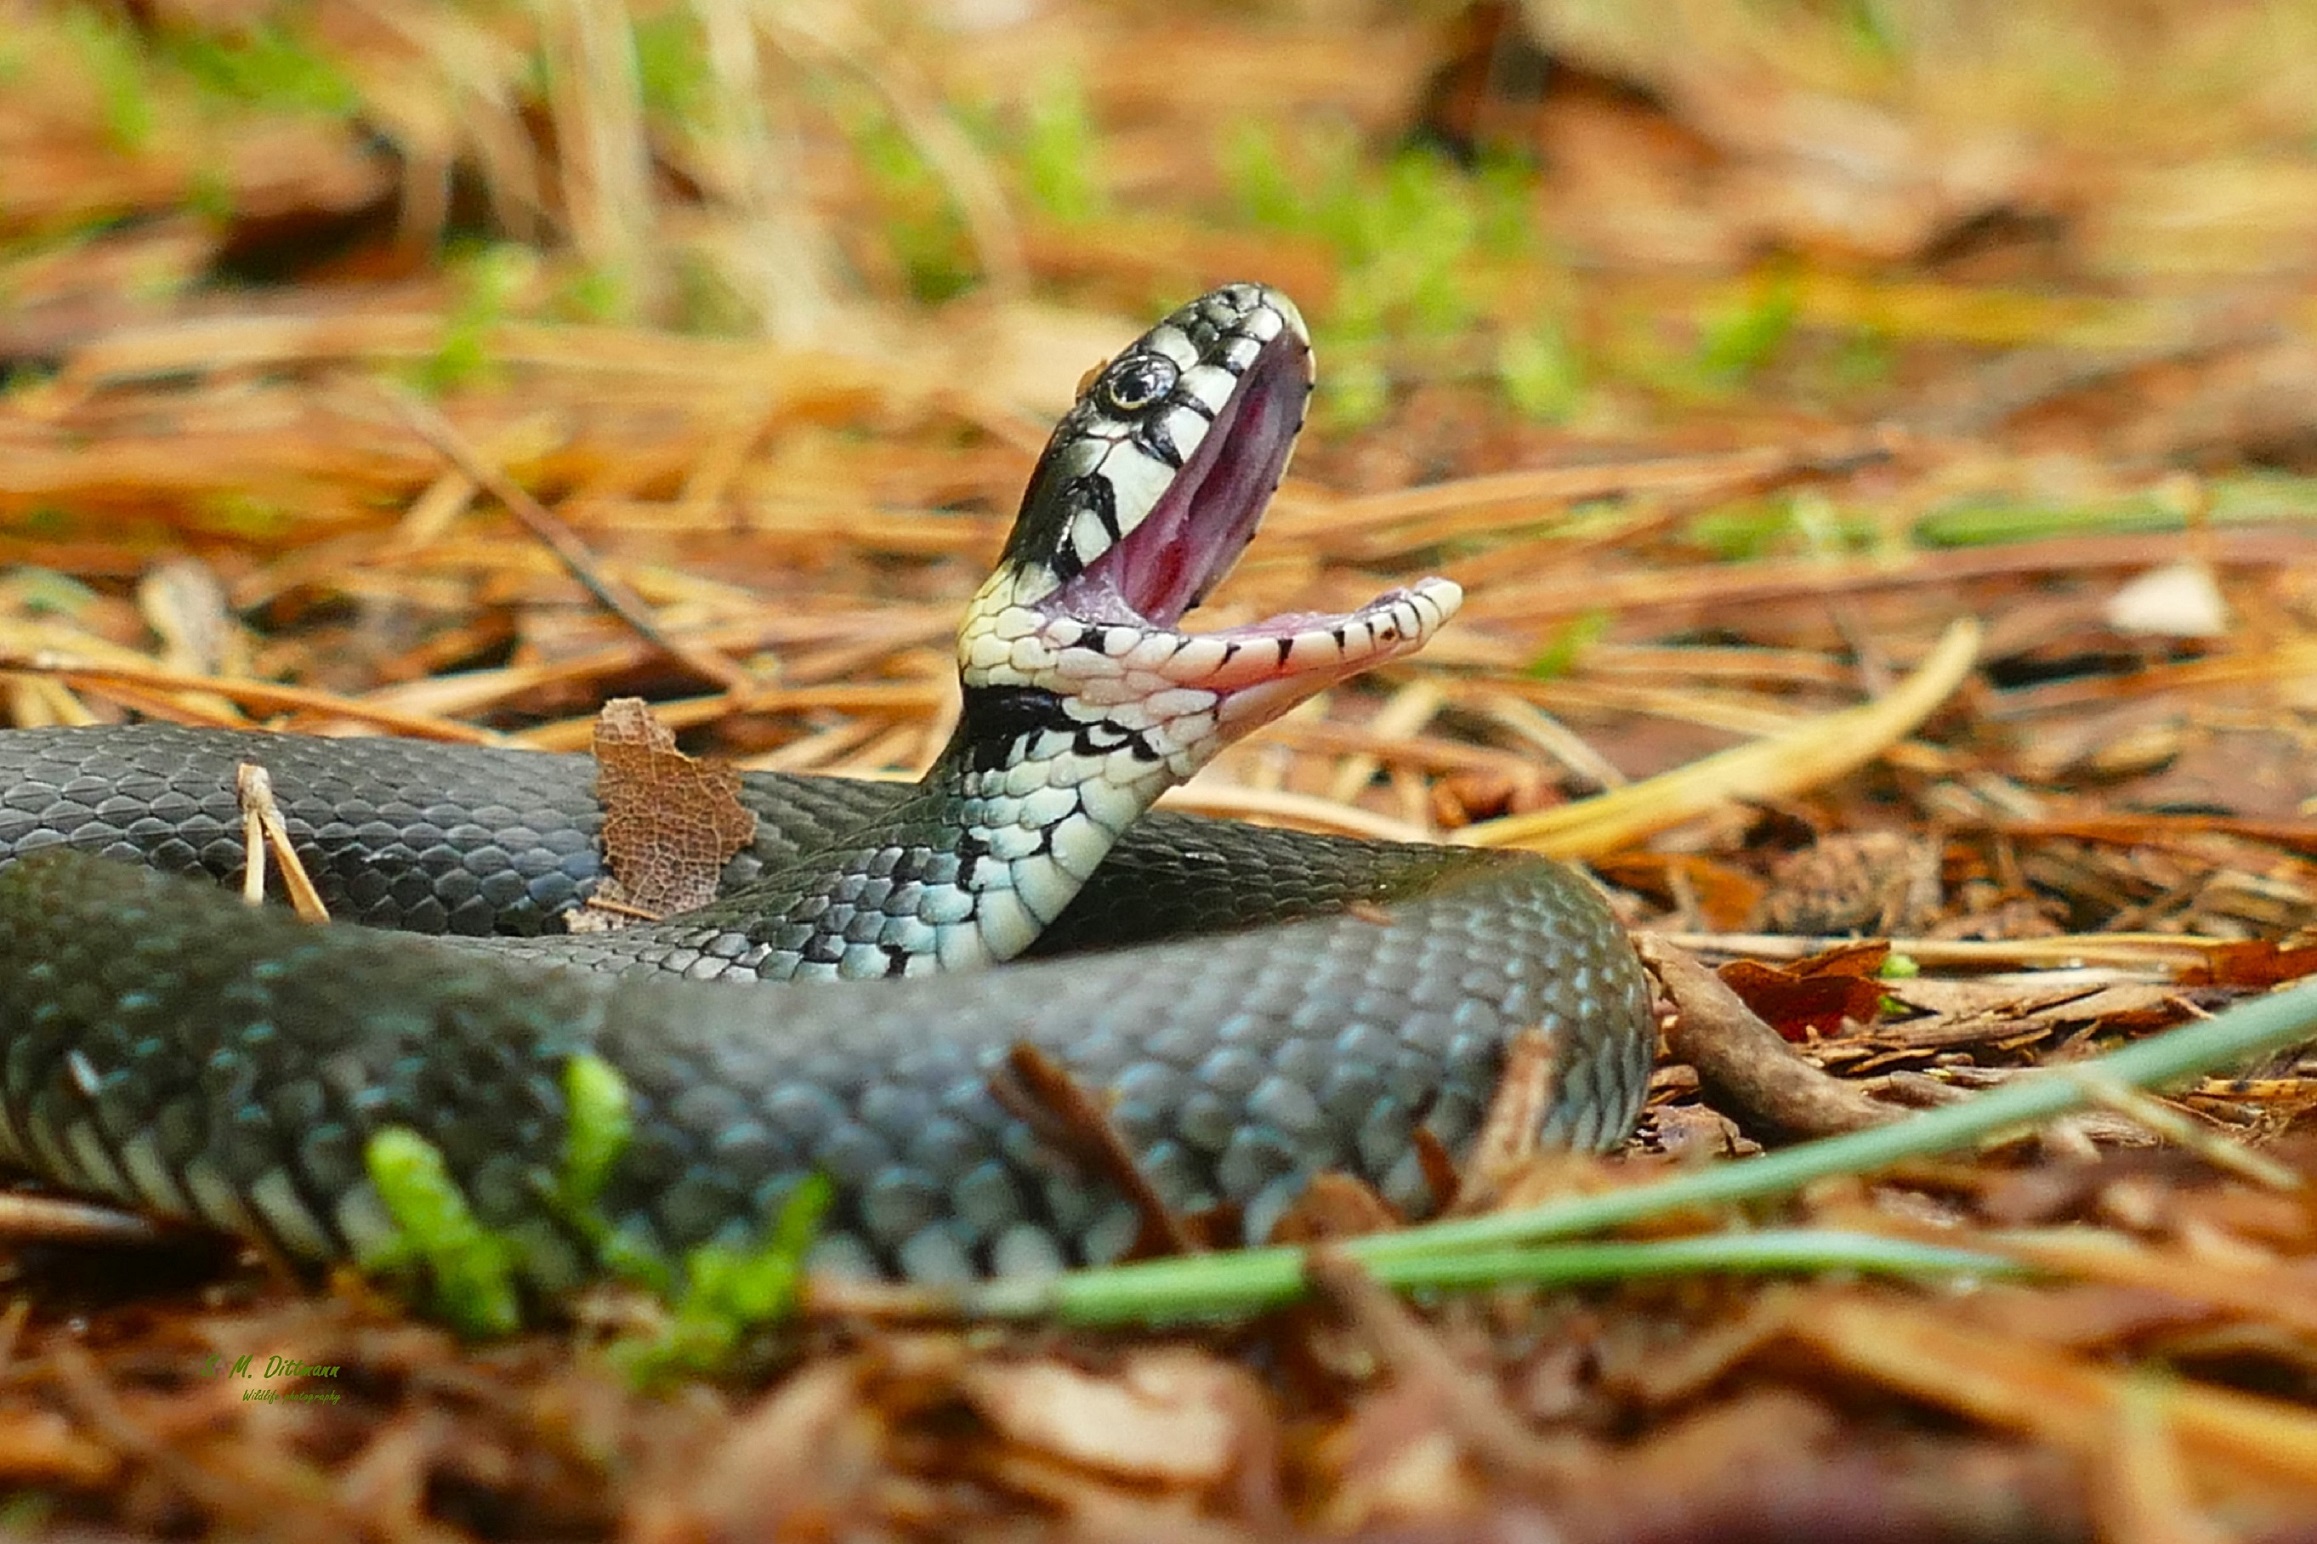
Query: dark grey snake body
[1251, 1007]
[173, 1050]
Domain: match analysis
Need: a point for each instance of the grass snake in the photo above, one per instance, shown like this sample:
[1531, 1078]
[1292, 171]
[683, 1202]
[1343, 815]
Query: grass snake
[1252, 1006]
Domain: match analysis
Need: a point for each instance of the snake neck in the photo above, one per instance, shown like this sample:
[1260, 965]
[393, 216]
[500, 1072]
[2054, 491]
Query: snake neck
[968, 868]
[1083, 701]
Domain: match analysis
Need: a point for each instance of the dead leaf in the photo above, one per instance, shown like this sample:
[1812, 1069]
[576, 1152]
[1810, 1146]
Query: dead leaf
[669, 824]
[1167, 1417]
[1797, 1000]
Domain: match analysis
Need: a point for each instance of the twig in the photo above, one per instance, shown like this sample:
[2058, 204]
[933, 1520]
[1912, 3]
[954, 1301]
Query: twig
[1815, 752]
[2212, 1146]
[1039, 1090]
[1308, 811]
[51, 1219]
[262, 829]
[2137, 956]
[265, 696]
[1724, 590]
[1451, 508]
[559, 539]
[1253, 1278]
[1747, 1070]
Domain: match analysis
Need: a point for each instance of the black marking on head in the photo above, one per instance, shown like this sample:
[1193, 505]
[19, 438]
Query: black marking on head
[1337, 633]
[1064, 564]
[1230, 651]
[1136, 380]
[1159, 441]
[1286, 647]
[995, 719]
[1093, 495]
[896, 959]
[1052, 545]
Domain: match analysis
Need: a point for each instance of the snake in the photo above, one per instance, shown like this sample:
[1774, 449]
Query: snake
[1243, 1007]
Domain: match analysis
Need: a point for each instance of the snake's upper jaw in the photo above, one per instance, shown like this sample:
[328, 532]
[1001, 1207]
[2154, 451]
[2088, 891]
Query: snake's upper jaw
[1193, 533]
[1153, 484]
[1155, 480]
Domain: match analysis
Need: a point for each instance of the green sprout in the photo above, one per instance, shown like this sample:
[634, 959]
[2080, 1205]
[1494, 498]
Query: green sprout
[489, 282]
[472, 1270]
[115, 62]
[1058, 150]
[1568, 645]
[1540, 372]
[1737, 341]
[729, 1292]
[1425, 249]
[265, 66]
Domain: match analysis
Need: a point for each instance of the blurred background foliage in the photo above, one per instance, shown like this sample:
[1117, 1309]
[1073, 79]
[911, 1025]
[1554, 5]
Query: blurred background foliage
[1609, 217]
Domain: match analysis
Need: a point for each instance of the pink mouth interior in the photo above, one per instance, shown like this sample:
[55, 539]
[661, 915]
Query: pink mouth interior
[1196, 531]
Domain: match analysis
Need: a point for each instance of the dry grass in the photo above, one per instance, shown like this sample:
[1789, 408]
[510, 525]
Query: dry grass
[1793, 357]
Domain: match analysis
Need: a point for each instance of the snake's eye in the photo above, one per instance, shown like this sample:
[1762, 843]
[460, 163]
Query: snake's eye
[1136, 381]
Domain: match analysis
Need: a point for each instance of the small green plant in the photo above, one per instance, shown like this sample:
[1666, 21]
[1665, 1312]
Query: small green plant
[918, 215]
[1738, 340]
[590, 294]
[1422, 245]
[1058, 152]
[727, 1293]
[597, 1128]
[671, 64]
[265, 66]
[116, 64]
[209, 194]
[1568, 645]
[489, 281]
[1540, 372]
[1804, 521]
[1862, 362]
[716, 1296]
[471, 1271]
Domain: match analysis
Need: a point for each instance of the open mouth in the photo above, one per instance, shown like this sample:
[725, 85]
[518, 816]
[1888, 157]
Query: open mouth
[1208, 513]
[1193, 425]
[1151, 487]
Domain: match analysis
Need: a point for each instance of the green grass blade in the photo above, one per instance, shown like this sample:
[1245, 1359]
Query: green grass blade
[1248, 1279]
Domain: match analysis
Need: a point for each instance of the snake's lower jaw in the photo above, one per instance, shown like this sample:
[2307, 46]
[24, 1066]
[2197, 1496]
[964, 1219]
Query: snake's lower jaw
[1264, 671]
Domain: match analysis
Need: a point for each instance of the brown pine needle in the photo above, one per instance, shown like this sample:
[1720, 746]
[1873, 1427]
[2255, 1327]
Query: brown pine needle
[560, 539]
[1780, 767]
[263, 831]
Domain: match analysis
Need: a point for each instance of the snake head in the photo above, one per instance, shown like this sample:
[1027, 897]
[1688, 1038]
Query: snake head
[1153, 484]
[1154, 481]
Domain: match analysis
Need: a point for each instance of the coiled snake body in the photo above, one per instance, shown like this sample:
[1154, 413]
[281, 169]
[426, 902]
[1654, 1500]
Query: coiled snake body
[1252, 1006]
